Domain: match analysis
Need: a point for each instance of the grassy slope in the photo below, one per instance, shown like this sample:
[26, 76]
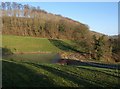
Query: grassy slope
[28, 44]
[36, 58]
[34, 74]
[31, 73]
[35, 44]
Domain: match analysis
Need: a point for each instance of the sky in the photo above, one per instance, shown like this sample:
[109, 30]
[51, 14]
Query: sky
[99, 16]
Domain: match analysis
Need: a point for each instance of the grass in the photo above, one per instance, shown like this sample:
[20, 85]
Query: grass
[28, 74]
[28, 44]
[35, 70]
[36, 58]
[35, 44]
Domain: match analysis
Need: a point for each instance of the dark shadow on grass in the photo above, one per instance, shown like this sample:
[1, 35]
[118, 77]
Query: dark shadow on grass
[17, 75]
[71, 77]
[77, 79]
[64, 46]
[98, 71]
[93, 64]
[112, 85]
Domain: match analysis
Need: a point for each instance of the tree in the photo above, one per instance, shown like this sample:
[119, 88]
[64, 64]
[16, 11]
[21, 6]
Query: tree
[3, 6]
[26, 10]
[82, 39]
[98, 47]
[8, 4]
[34, 21]
[19, 6]
[61, 27]
[14, 7]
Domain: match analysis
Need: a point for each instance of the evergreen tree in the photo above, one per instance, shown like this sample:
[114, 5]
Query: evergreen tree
[98, 47]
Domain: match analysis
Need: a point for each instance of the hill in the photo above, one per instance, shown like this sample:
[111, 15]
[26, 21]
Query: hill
[116, 46]
[25, 20]
[41, 49]
[36, 44]
[33, 44]
[33, 48]
[30, 74]
[32, 21]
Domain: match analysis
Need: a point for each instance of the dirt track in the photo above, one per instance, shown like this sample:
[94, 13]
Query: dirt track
[31, 52]
[93, 64]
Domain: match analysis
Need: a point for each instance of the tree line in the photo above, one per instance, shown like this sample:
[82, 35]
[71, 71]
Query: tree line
[27, 20]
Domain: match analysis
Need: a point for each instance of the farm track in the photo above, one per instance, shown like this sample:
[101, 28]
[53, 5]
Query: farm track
[93, 64]
[31, 52]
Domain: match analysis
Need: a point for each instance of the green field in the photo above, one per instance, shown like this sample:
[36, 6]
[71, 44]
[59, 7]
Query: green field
[33, 44]
[36, 58]
[27, 44]
[36, 70]
[28, 74]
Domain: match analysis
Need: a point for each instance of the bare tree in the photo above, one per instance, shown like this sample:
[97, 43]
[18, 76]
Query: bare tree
[26, 10]
[14, 7]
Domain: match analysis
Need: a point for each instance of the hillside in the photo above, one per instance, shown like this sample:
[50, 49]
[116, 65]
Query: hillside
[30, 21]
[28, 74]
[36, 44]
[18, 43]
[41, 49]
[34, 48]
[39, 23]
[116, 46]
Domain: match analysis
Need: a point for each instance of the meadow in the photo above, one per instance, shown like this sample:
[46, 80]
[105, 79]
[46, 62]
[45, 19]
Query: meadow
[32, 44]
[37, 58]
[44, 49]
[28, 74]
[37, 70]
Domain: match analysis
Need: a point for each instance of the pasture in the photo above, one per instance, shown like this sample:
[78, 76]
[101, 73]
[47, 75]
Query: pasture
[28, 74]
[35, 44]
[37, 70]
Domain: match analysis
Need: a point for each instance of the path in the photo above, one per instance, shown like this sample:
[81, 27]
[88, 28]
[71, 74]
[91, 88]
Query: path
[93, 64]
